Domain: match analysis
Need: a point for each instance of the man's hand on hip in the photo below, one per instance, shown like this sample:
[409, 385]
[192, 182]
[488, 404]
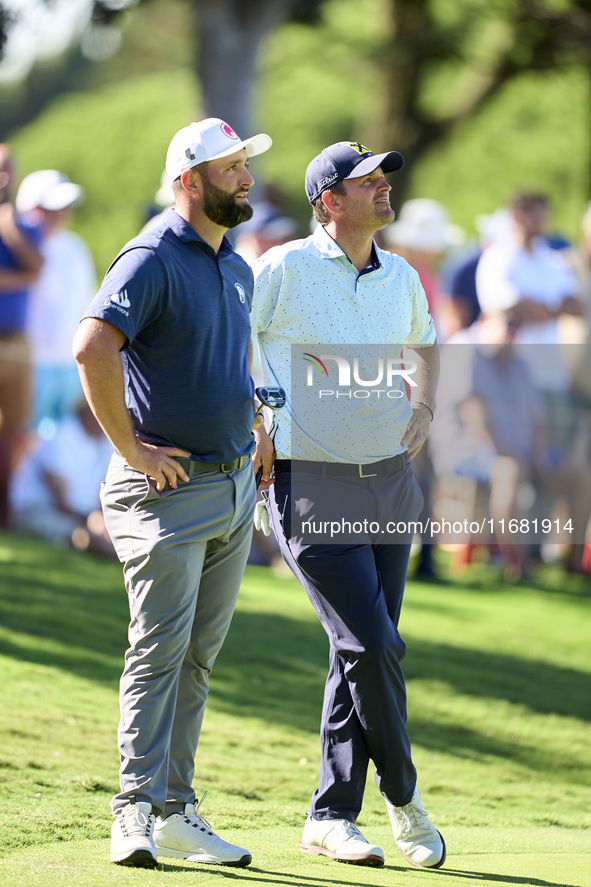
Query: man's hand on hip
[158, 464]
[416, 430]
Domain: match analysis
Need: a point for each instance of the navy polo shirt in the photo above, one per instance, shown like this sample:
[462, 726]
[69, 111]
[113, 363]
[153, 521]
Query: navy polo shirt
[14, 303]
[185, 313]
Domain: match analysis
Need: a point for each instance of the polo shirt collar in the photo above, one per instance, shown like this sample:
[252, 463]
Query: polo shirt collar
[187, 234]
[329, 249]
[326, 246]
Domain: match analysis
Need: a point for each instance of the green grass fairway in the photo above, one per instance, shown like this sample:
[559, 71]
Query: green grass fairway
[499, 682]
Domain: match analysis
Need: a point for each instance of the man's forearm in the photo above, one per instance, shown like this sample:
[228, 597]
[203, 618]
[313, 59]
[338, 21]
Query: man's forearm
[96, 349]
[428, 376]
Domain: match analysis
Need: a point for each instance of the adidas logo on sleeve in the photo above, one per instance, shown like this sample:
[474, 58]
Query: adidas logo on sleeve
[121, 299]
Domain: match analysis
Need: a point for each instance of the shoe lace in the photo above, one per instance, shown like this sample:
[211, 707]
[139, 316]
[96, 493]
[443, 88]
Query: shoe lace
[411, 818]
[135, 822]
[199, 821]
[350, 829]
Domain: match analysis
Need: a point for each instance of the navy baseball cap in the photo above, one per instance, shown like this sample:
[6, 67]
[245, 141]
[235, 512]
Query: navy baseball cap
[346, 160]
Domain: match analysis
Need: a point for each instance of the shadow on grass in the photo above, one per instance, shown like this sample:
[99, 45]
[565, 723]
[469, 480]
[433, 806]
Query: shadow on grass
[541, 686]
[272, 876]
[501, 879]
[69, 611]
[290, 879]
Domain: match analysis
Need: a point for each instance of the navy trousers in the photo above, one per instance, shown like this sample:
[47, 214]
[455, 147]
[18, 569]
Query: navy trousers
[356, 590]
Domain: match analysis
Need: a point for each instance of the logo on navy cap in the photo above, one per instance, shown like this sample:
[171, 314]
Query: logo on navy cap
[361, 149]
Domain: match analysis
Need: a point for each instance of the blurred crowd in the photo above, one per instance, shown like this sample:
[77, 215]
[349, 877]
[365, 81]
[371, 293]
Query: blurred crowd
[53, 454]
[512, 309]
[510, 445]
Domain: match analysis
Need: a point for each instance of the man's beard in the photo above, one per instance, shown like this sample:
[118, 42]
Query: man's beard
[221, 207]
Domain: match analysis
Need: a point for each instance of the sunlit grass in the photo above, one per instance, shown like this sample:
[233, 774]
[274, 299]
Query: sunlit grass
[499, 715]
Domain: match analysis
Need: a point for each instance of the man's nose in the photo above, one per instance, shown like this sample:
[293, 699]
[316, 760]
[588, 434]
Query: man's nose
[247, 180]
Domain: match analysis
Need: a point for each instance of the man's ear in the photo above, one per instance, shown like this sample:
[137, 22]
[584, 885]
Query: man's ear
[191, 182]
[332, 201]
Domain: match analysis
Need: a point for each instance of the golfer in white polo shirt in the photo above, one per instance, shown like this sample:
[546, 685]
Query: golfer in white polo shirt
[339, 289]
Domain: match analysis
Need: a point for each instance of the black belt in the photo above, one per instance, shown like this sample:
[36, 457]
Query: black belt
[193, 467]
[373, 469]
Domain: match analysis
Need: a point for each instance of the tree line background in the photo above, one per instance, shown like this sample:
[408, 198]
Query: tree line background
[480, 96]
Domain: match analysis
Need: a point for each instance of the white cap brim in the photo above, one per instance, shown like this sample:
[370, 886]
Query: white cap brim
[254, 145]
[391, 161]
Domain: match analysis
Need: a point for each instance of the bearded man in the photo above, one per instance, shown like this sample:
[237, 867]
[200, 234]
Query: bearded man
[164, 344]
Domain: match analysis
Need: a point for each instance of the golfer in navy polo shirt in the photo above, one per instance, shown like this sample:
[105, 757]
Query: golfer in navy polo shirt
[339, 289]
[163, 357]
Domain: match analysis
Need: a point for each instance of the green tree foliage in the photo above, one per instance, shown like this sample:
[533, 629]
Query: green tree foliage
[225, 35]
[315, 86]
[444, 60]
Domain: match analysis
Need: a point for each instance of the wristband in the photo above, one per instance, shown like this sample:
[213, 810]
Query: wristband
[423, 404]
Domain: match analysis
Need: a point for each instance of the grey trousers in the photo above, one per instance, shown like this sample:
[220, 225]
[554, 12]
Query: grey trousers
[183, 553]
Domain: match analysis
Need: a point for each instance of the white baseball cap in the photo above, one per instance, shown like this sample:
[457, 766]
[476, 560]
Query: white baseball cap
[47, 189]
[208, 140]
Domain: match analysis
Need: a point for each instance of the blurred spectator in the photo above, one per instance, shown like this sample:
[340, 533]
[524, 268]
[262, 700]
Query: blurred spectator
[163, 200]
[20, 264]
[532, 282]
[575, 329]
[268, 227]
[55, 490]
[60, 296]
[492, 428]
[458, 274]
[421, 235]
[578, 329]
[534, 286]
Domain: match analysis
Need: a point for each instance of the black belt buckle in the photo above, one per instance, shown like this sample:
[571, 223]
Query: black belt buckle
[361, 474]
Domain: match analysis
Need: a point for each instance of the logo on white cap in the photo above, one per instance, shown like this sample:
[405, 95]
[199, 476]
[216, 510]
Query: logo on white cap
[228, 131]
[209, 139]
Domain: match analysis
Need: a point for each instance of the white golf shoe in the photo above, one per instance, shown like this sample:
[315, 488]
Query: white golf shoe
[132, 837]
[189, 836]
[417, 839]
[341, 840]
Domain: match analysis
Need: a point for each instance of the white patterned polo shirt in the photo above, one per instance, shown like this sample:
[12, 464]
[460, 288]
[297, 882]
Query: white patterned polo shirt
[308, 293]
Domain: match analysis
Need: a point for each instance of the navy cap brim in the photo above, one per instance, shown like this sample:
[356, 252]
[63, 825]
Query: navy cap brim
[389, 162]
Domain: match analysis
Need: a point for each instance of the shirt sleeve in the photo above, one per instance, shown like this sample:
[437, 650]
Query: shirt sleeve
[422, 330]
[268, 280]
[495, 290]
[133, 293]
[566, 281]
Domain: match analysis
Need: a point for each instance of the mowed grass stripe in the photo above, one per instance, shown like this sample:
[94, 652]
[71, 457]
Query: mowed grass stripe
[499, 716]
